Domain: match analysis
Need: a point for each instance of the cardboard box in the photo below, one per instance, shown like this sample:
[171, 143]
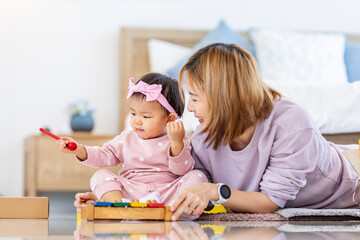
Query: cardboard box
[24, 207]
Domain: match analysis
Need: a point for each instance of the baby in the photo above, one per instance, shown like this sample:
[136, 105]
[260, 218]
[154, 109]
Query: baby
[155, 153]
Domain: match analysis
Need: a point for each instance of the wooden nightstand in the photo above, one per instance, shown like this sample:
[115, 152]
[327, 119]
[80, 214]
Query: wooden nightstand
[49, 169]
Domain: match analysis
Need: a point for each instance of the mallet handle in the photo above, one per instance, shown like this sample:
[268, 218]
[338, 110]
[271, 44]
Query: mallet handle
[49, 133]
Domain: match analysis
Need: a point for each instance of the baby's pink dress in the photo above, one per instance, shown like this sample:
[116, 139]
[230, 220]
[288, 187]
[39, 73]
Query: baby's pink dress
[147, 167]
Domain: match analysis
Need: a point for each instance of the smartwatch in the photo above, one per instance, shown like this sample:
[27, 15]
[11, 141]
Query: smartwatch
[224, 193]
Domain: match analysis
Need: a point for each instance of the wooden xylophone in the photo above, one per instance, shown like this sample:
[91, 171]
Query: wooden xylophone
[122, 210]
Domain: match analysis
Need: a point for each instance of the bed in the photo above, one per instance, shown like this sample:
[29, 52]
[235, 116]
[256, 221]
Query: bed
[134, 62]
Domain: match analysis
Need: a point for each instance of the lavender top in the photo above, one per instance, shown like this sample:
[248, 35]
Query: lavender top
[287, 159]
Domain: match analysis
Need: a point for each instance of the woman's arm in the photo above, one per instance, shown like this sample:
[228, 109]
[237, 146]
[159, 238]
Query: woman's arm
[194, 200]
[250, 202]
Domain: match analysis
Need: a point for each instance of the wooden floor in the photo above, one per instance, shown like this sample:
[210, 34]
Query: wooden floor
[71, 228]
[63, 224]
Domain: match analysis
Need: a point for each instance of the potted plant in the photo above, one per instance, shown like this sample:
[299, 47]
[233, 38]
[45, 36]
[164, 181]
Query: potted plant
[81, 116]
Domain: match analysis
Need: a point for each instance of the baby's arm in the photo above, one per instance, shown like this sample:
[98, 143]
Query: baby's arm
[110, 154]
[80, 151]
[176, 133]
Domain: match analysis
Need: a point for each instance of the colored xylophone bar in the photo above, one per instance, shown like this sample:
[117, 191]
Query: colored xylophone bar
[130, 204]
[132, 210]
[129, 236]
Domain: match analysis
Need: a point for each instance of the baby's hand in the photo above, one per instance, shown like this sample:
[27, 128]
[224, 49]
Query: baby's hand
[176, 131]
[63, 144]
[82, 198]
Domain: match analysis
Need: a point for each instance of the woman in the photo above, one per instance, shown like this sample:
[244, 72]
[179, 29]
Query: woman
[260, 151]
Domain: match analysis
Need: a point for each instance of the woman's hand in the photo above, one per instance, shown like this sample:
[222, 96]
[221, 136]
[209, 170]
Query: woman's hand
[194, 200]
[82, 198]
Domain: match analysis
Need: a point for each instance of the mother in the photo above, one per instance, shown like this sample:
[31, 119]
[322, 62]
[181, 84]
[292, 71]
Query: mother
[260, 151]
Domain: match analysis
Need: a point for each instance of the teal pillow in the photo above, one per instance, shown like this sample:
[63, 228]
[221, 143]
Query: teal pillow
[222, 33]
[352, 61]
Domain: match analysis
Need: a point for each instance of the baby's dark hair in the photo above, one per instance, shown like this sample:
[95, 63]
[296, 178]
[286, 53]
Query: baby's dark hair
[170, 90]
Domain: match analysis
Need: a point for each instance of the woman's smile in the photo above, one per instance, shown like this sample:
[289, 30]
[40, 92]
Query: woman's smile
[200, 119]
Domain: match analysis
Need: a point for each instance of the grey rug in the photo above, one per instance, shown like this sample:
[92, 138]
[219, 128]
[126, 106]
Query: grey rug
[288, 214]
[294, 226]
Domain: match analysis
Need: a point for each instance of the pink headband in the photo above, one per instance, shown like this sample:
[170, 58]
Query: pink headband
[152, 92]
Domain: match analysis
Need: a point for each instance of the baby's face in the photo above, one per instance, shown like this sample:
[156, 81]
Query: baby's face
[148, 119]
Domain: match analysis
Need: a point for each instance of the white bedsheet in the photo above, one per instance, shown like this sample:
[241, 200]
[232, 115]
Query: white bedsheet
[335, 107]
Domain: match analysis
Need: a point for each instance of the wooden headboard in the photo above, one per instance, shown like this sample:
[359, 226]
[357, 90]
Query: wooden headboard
[134, 62]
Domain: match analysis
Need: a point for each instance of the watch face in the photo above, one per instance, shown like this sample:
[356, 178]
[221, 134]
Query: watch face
[225, 191]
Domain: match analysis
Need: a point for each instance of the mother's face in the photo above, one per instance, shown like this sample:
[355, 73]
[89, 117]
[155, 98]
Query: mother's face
[198, 104]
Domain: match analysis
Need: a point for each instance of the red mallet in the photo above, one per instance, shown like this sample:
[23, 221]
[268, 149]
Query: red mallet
[71, 145]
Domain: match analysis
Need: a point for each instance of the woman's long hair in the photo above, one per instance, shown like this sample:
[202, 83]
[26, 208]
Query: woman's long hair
[235, 91]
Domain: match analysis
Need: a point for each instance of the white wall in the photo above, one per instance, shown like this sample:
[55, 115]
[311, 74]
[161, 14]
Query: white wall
[53, 52]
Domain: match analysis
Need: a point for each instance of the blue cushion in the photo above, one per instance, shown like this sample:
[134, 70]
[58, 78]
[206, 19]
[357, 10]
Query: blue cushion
[222, 33]
[352, 60]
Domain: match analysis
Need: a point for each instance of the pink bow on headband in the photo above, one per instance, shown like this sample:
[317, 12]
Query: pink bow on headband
[152, 92]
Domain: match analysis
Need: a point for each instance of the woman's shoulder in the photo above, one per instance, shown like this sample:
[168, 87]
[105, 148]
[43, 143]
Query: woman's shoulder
[197, 133]
[289, 115]
[285, 104]
[198, 138]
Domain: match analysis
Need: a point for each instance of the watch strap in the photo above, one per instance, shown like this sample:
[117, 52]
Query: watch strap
[221, 199]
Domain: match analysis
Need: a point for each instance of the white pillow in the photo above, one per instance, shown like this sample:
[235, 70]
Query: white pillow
[333, 106]
[164, 55]
[300, 56]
